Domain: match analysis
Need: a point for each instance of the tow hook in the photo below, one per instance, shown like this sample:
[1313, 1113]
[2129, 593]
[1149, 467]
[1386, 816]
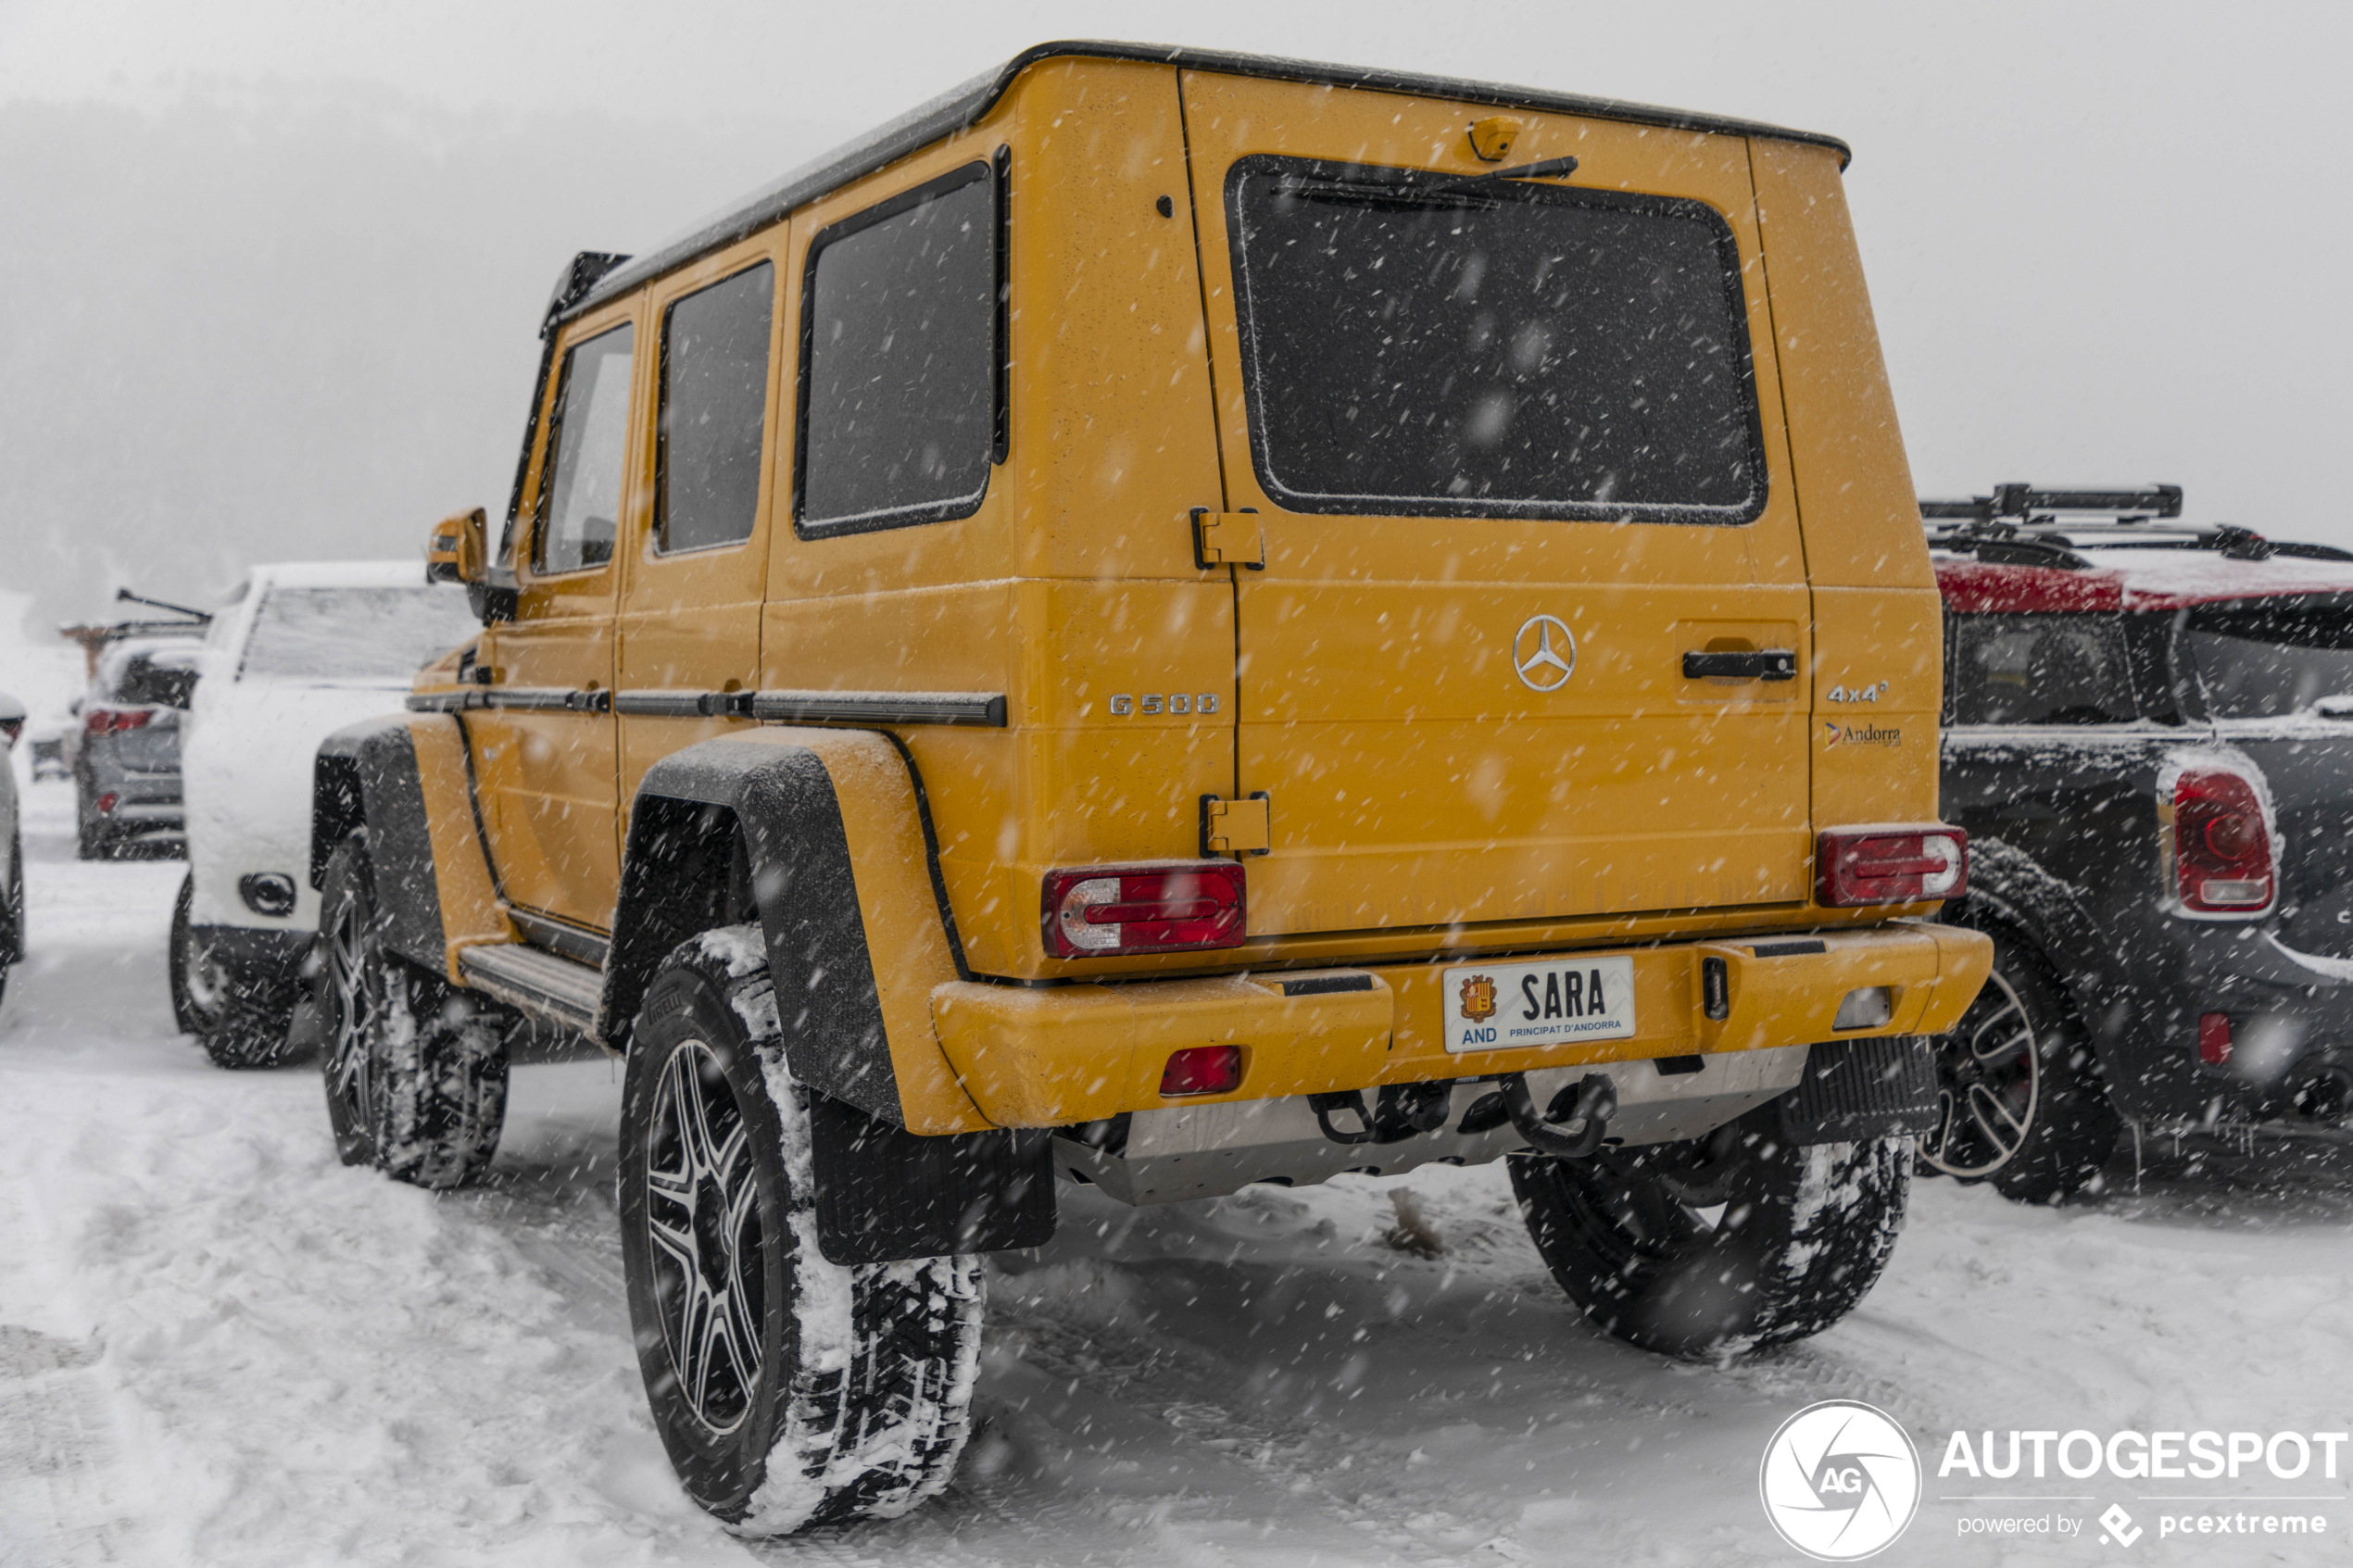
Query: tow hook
[1573, 1130]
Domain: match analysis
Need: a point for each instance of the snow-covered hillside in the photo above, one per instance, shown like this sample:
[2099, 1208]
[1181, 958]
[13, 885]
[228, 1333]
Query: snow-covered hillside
[219, 1346]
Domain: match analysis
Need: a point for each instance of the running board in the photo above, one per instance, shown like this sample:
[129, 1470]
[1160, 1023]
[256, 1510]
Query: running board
[537, 981]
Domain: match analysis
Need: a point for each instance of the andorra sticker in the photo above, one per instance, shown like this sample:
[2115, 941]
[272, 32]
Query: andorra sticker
[1549, 1002]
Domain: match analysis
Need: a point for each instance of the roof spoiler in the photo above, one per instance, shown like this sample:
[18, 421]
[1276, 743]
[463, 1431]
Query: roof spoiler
[2026, 503]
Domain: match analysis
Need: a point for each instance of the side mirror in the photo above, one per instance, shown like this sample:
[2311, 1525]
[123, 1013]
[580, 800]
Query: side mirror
[11, 717]
[457, 551]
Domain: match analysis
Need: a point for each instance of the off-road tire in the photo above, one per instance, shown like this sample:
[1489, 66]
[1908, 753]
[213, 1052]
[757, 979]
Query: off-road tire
[235, 1030]
[415, 1068]
[1722, 1244]
[789, 1391]
[2021, 1101]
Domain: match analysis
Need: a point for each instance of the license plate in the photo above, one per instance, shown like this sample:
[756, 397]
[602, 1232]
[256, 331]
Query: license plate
[1549, 1002]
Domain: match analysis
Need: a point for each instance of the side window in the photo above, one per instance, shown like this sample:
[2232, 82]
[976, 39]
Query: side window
[899, 361]
[2040, 670]
[579, 500]
[714, 408]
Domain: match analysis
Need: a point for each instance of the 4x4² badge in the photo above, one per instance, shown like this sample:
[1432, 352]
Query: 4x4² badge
[1541, 664]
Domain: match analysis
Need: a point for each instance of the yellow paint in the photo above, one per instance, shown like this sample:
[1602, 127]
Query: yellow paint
[1049, 1057]
[470, 912]
[1426, 806]
[1044, 1058]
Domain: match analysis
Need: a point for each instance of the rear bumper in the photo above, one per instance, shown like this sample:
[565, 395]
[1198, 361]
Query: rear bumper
[1080, 1053]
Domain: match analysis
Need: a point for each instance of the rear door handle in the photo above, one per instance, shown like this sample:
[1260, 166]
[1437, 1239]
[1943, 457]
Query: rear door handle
[1765, 664]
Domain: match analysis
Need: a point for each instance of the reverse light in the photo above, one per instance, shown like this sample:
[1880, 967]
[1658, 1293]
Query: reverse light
[1201, 1070]
[2219, 842]
[114, 720]
[1103, 911]
[1900, 865]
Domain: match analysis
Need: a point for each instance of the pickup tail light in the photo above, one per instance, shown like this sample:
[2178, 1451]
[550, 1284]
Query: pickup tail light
[2219, 842]
[1890, 865]
[1100, 912]
[114, 720]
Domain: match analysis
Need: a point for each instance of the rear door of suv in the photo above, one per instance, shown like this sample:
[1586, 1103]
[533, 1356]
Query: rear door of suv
[1515, 453]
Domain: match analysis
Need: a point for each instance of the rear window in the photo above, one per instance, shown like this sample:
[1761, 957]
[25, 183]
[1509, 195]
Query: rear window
[354, 633]
[1417, 346]
[2264, 658]
[2039, 670]
[898, 361]
[156, 678]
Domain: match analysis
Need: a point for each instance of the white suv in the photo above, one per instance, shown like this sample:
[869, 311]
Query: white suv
[301, 650]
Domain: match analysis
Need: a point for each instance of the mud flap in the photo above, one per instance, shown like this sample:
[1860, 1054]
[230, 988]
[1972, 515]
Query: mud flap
[885, 1193]
[1854, 1089]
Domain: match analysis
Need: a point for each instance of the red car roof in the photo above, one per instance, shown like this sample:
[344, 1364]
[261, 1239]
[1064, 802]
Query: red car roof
[2130, 580]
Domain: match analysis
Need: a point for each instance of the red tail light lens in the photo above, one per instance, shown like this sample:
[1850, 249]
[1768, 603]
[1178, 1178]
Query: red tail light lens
[2221, 843]
[2213, 1039]
[1104, 910]
[1890, 865]
[114, 720]
[1202, 1070]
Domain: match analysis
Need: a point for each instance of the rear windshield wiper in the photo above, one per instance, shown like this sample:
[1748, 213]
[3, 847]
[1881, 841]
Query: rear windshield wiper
[1543, 169]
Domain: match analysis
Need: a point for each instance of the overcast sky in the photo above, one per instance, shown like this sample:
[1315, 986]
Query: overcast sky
[270, 271]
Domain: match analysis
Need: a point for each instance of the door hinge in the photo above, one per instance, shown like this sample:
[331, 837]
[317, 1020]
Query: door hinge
[1228, 539]
[1236, 827]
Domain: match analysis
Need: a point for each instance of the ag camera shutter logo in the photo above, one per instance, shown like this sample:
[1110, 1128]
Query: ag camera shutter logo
[1840, 1481]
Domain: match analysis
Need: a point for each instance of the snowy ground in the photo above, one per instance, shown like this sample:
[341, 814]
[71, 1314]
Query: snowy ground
[219, 1346]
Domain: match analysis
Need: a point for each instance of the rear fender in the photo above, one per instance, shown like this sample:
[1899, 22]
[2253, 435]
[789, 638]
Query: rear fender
[821, 833]
[840, 873]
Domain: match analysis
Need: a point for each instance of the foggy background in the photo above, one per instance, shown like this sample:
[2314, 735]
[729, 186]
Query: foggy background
[271, 271]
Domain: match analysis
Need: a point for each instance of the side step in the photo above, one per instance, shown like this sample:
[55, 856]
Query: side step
[537, 981]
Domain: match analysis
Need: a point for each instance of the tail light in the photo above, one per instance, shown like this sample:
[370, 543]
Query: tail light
[114, 720]
[108, 802]
[2219, 842]
[2213, 1039]
[1903, 865]
[1104, 910]
[1201, 1070]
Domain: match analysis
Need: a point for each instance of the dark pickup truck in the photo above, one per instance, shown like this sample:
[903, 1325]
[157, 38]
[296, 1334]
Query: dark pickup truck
[2148, 735]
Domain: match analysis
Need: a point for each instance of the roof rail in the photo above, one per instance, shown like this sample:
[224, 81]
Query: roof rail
[2026, 503]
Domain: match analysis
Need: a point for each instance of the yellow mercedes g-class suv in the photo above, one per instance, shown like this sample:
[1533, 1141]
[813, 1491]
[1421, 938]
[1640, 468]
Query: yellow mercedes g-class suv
[1172, 619]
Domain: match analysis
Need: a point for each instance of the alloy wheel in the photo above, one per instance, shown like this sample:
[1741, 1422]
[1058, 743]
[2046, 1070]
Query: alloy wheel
[356, 981]
[702, 1216]
[1989, 1084]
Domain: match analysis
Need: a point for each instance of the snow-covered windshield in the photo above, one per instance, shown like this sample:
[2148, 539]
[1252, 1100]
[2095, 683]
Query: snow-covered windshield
[1505, 347]
[2264, 658]
[2040, 670]
[354, 633]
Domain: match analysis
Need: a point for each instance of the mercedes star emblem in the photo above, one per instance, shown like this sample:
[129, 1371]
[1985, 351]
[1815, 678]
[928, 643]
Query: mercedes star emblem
[1544, 651]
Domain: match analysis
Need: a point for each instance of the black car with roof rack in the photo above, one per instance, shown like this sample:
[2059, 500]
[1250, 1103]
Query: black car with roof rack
[2148, 735]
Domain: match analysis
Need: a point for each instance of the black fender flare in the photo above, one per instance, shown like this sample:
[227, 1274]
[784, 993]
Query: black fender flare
[365, 778]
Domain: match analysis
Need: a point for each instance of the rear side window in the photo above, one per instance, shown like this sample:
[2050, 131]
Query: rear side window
[579, 500]
[714, 409]
[2039, 670]
[2268, 659]
[164, 678]
[1414, 345]
[899, 361]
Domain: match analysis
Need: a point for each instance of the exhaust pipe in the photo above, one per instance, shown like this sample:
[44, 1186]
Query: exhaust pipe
[2325, 1097]
[1573, 1125]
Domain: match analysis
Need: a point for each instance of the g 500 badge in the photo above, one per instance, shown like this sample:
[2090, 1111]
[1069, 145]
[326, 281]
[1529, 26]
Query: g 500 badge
[1550, 1002]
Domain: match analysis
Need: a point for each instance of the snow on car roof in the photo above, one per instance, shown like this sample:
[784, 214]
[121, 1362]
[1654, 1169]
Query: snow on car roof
[2129, 579]
[341, 574]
